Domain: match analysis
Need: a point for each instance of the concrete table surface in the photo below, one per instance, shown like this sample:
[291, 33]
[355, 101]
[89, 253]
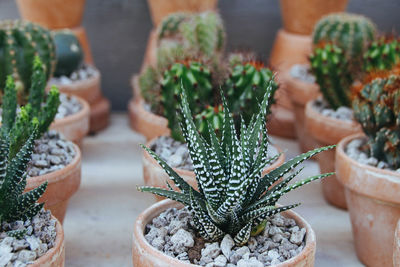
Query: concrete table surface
[99, 221]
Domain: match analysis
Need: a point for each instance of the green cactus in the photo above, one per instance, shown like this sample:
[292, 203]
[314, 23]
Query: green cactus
[193, 76]
[169, 52]
[245, 87]
[382, 54]
[233, 196]
[69, 53]
[377, 108]
[20, 42]
[170, 25]
[211, 116]
[351, 32]
[150, 89]
[330, 67]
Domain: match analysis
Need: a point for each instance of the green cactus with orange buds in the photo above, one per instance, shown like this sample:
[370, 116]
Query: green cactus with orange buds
[212, 117]
[351, 32]
[245, 87]
[330, 67]
[196, 78]
[20, 42]
[382, 54]
[377, 108]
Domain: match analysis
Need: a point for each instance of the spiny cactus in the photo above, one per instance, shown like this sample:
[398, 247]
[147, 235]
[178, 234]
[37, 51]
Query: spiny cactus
[169, 52]
[69, 53]
[170, 25]
[14, 204]
[211, 115]
[377, 108]
[196, 78]
[20, 42]
[245, 87]
[330, 67]
[150, 89]
[40, 107]
[382, 54]
[351, 32]
[233, 197]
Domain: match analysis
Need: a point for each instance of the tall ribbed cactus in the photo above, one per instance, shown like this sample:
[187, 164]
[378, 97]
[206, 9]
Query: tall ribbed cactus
[245, 87]
[330, 67]
[382, 54]
[69, 52]
[170, 25]
[350, 32]
[20, 42]
[194, 76]
[377, 107]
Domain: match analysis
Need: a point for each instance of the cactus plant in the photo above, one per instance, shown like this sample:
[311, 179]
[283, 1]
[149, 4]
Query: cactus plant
[233, 197]
[331, 70]
[196, 78]
[69, 53]
[245, 87]
[170, 25]
[377, 108]
[210, 116]
[351, 32]
[382, 54]
[20, 42]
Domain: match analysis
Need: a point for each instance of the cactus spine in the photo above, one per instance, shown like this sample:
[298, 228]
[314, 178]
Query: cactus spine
[69, 53]
[20, 42]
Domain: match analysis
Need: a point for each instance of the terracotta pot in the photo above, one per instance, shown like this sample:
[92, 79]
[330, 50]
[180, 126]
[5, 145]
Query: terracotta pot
[300, 93]
[329, 131]
[89, 90]
[281, 122]
[144, 255]
[80, 33]
[289, 49]
[154, 175]
[396, 246]
[62, 184]
[146, 123]
[55, 257]
[373, 200]
[137, 96]
[161, 8]
[76, 126]
[54, 14]
[300, 16]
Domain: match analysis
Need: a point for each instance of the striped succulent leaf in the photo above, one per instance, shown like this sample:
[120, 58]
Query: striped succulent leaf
[233, 197]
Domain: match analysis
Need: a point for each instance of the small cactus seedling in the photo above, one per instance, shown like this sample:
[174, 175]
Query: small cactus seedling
[196, 78]
[233, 197]
[377, 108]
[211, 116]
[382, 54]
[20, 42]
[245, 87]
[330, 67]
[69, 53]
[352, 33]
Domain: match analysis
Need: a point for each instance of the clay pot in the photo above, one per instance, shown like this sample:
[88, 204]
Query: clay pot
[161, 8]
[62, 184]
[154, 175]
[76, 126]
[300, 16]
[89, 90]
[54, 14]
[144, 255]
[300, 92]
[329, 131]
[55, 257]
[396, 246]
[80, 33]
[373, 200]
[146, 123]
[281, 122]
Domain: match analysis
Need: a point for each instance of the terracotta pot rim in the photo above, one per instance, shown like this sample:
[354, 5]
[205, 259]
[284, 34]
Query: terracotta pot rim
[378, 174]
[57, 175]
[94, 79]
[80, 115]
[160, 206]
[279, 161]
[58, 243]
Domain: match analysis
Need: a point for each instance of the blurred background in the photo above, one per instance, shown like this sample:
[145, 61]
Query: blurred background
[118, 32]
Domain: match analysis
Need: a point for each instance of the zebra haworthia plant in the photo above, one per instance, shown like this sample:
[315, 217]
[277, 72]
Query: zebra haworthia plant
[233, 197]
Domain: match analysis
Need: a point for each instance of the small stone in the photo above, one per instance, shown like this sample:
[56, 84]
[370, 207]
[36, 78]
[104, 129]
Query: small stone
[277, 238]
[182, 238]
[220, 261]
[158, 243]
[252, 244]
[273, 254]
[211, 250]
[33, 242]
[227, 244]
[278, 221]
[238, 254]
[174, 226]
[26, 256]
[298, 236]
[252, 262]
[41, 163]
[19, 244]
[382, 165]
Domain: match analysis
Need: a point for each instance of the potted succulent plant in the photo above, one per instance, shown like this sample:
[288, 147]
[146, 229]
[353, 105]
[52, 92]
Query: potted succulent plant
[28, 233]
[22, 41]
[55, 159]
[159, 9]
[74, 77]
[234, 203]
[336, 63]
[369, 168]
